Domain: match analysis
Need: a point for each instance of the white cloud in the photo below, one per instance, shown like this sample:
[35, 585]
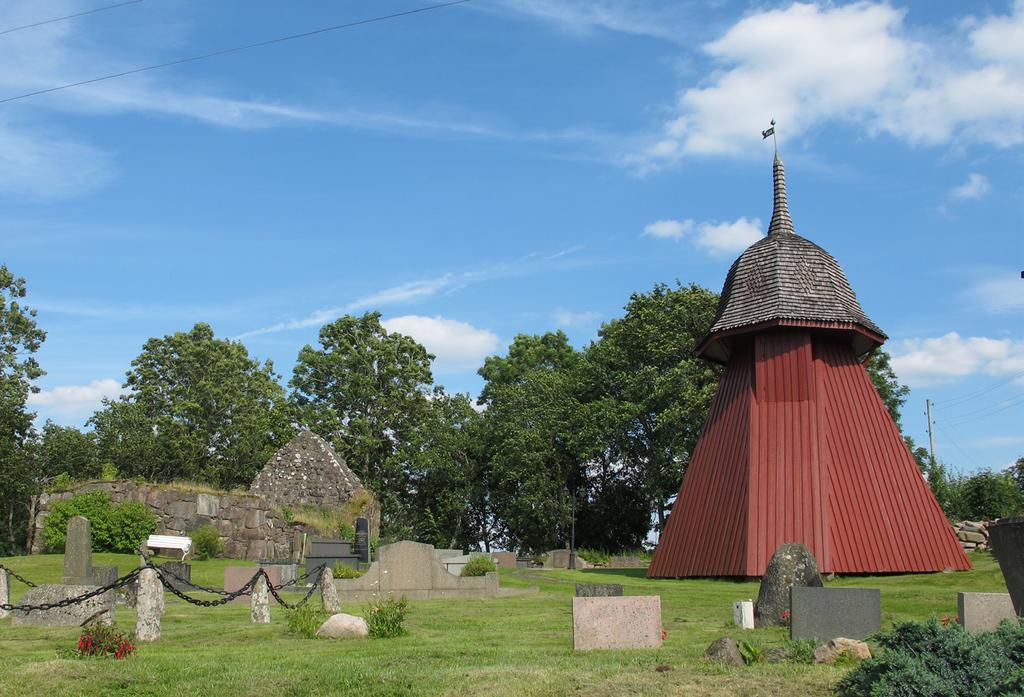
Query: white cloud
[567, 318]
[673, 229]
[457, 345]
[974, 188]
[999, 294]
[808, 65]
[672, 21]
[76, 400]
[721, 239]
[717, 239]
[921, 362]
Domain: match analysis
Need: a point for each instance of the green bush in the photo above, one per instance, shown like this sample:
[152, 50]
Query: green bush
[593, 556]
[206, 543]
[108, 471]
[306, 619]
[923, 658]
[386, 618]
[345, 571]
[62, 482]
[115, 528]
[801, 650]
[478, 566]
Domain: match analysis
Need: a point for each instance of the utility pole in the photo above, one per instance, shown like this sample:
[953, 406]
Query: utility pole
[931, 436]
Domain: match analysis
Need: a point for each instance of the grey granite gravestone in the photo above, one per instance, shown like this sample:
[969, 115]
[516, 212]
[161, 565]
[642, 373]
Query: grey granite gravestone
[1006, 537]
[982, 612]
[558, 559]
[78, 553]
[362, 544]
[104, 575]
[598, 590]
[827, 613]
[179, 575]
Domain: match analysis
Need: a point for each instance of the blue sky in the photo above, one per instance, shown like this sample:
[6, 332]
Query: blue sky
[509, 166]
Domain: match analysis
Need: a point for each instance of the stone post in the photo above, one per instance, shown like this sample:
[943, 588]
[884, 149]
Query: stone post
[78, 553]
[328, 591]
[149, 606]
[5, 591]
[259, 602]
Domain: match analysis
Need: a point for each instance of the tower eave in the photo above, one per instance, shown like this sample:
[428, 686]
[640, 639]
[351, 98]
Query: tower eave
[717, 346]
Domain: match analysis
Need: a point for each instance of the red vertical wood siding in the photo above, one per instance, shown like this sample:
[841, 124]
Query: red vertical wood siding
[798, 447]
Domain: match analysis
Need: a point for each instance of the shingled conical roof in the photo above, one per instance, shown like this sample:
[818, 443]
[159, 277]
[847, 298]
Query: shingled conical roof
[785, 279]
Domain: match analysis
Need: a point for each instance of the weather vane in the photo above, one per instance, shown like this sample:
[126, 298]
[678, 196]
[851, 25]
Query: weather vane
[771, 132]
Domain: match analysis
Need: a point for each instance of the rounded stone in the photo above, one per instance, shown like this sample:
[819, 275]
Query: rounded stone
[342, 626]
[791, 565]
[725, 650]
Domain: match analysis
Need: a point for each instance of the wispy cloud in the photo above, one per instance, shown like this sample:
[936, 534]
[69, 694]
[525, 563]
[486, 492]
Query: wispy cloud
[672, 21]
[944, 359]
[717, 239]
[570, 319]
[1001, 292]
[974, 188]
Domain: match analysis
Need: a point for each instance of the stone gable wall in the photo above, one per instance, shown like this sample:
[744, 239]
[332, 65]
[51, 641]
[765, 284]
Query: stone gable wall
[249, 526]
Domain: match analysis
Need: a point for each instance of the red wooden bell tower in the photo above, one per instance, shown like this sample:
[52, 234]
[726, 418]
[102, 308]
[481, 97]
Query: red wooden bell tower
[798, 446]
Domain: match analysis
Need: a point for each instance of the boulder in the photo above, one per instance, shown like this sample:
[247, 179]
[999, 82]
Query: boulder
[791, 565]
[342, 626]
[829, 652]
[725, 650]
[776, 654]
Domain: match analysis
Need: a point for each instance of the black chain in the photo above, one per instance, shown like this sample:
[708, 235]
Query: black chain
[17, 576]
[114, 585]
[227, 597]
[206, 589]
[300, 603]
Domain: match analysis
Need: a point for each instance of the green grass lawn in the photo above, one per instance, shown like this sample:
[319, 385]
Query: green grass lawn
[509, 646]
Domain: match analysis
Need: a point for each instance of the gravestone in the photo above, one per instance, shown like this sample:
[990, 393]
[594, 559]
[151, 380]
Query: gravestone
[286, 569]
[149, 606]
[630, 622]
[598, 590]
[743, 613]
[792, 565]
[179, 575]
[78, 553]
[982, 612]
[328, 553]
[259, 602]
[362, 545]
[329, 592]
[5, 592]
[99, 608]
[826, 613]
[104, 575]
[1006, 537]
[235, 577]
[557, 559]
[505, 560]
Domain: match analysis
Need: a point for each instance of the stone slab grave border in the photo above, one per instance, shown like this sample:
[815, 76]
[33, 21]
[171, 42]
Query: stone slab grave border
[827, 613]
[624, 622]
[982, 612]
[99, 608]
[412, 569]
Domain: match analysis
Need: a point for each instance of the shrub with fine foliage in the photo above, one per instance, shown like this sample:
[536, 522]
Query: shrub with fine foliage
[478, 566]
[923, 658]
[306, 619]
[386, 618]
[115, 528]
[206, 543]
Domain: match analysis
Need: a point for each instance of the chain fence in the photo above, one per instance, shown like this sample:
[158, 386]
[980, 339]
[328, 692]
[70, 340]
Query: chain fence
[162, 575]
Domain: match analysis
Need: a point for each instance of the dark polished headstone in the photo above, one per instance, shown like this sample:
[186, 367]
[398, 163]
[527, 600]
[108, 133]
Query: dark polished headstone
[1006, 537]
[362, 544]
[824, 614]
[598, 590]
[178, 570]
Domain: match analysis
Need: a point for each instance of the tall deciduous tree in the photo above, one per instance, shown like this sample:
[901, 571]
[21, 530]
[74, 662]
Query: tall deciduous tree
[365, 389]
[20, 338]
[657, 389]
[196, 407]
[893, 393]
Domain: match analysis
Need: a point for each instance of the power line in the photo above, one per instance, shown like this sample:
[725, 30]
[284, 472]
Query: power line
[66, 17]
[236, 49]
[977, 393]
[994, 409]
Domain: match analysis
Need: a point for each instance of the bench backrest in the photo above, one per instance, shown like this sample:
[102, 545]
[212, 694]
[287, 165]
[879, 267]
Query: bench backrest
[169, 542]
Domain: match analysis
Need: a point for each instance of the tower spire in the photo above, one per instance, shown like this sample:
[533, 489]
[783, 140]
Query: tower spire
[781, 222]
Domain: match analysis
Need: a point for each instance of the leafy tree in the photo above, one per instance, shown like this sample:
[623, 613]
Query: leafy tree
[365, 389]
[655, 387]
[1016, 471]
[66, 450]
[20, 338]
[197, 407]
[986, 495]
[893, 394]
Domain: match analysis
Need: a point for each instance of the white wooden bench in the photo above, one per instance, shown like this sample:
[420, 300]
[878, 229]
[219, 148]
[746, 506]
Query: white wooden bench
[183, 544]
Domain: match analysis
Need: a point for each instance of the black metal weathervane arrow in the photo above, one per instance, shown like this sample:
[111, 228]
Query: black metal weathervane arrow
[771, 132]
